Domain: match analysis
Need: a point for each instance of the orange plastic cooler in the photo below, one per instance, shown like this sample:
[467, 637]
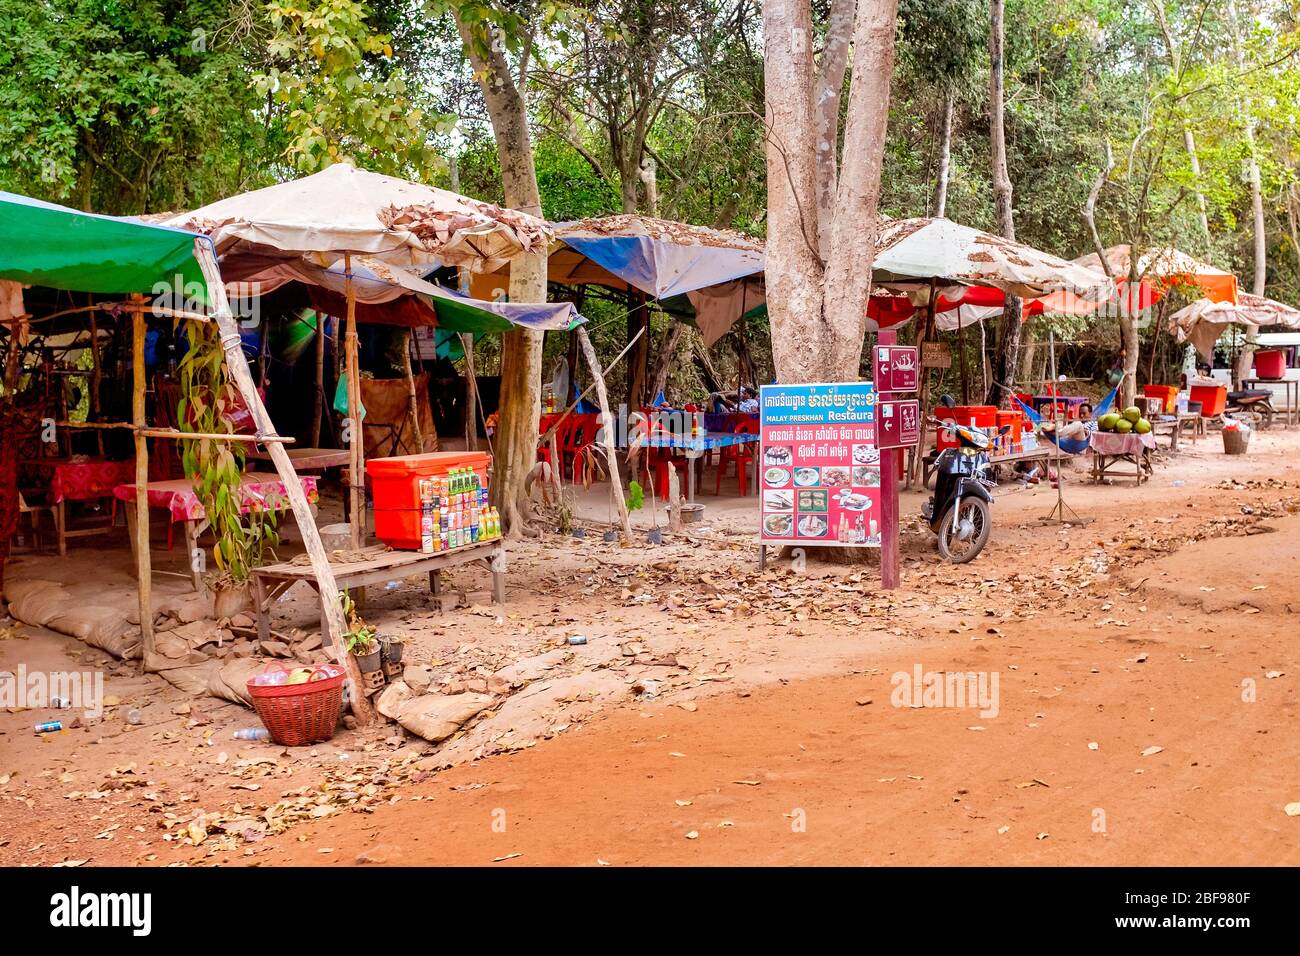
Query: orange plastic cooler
[1168, 395]
[395, 483]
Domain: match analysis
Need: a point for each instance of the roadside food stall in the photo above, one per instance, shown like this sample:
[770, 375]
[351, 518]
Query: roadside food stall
[54, 247]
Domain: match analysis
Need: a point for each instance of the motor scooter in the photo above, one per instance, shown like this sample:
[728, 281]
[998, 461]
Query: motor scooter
[958, 511]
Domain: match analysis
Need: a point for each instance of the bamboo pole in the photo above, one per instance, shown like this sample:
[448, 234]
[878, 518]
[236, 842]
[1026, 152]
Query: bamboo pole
[96, 376]
[318, 402]
[412, 397]
[356, 437]
[329, 591]
[177, 433]
[143, 571]
[607, 429]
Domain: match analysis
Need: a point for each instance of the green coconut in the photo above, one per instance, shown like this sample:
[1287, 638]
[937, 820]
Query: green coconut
[1107, 422]
[1123, 426]
[1142, 427]
[1133, 413]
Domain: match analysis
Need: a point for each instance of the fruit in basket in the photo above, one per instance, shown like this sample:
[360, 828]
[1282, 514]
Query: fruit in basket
[1107, 422]
[1142, 427]
[299, 675]
[1132, 414]
[1123, 426]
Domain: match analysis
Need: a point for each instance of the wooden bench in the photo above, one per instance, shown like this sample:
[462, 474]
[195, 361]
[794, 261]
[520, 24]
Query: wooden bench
[375, 565]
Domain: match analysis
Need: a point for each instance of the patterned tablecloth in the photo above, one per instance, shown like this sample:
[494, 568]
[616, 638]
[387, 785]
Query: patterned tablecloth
[178, 497]
[79, 478]
[1117, 443]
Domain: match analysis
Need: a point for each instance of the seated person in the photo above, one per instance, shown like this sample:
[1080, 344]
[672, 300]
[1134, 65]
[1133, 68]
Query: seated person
[748, 401]
[1081, 427]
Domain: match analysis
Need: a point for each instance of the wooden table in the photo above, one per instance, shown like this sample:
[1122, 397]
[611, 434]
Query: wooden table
[1173, 426]
[264, 491]
[1111, 450]
[698, 446]
[375, 565]
[1290, 386]
[77, 478]
[308, 459]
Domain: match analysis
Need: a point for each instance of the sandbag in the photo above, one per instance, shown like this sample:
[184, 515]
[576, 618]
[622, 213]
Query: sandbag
[193, 679]
[36, 602]
[104, 627]
[230, 680]
[436, 717]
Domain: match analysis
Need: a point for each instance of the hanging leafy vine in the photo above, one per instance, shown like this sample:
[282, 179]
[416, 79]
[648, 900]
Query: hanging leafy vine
[208, 396]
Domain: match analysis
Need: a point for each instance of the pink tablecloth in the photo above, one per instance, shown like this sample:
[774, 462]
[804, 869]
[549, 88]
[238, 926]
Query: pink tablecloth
[1116, 443]
[79, 478]
[178, 497]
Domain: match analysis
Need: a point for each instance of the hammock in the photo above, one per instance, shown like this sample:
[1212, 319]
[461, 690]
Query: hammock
[1070, 446]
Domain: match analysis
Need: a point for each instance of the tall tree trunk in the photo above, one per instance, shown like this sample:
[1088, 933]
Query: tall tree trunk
[829, 88]
[1008, 340]
[667, 355]
[939, 207]
[818, 293]
[1247, 357]
[515, 443]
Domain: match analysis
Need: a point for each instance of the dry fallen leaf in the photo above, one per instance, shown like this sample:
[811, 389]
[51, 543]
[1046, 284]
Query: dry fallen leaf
[1152, 751]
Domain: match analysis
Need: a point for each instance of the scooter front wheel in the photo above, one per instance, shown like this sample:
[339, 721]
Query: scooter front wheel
[963, 533]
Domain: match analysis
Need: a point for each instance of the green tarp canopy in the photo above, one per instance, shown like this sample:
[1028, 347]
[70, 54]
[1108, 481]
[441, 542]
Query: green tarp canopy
[49, 245]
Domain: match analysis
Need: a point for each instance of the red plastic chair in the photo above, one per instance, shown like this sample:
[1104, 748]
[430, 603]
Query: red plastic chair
[741, 454]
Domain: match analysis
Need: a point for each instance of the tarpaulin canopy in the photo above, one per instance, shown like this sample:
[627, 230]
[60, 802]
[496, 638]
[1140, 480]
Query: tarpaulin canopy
[50, 245]
[388, 295]
[720, 271]
[395, 232]
[345, 209]
[1202, 322]
[946, 250]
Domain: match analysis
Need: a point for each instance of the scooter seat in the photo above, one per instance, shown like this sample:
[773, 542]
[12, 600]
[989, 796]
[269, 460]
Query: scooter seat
[1250, 395]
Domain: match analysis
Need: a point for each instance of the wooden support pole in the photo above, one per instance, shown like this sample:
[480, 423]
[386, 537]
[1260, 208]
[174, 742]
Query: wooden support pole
[318, 402]
[412, 397]
[96, 376]
[471, 393]
[355, 432]
[331, 606]
[143, 570]
[607, 429]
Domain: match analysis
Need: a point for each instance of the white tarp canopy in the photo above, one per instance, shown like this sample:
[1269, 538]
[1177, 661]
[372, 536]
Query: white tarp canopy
[911, 249]
[348, 210]
[1202, 322]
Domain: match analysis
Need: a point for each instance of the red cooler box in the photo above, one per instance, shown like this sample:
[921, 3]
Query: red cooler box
[1270, 364]
[395, 483]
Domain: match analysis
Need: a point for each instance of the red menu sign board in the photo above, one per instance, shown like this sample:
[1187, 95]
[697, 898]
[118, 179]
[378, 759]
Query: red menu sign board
[897, 368]
[819, 470]
[898, 424]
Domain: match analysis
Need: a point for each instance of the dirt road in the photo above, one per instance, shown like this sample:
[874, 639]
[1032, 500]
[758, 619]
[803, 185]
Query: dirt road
[1139, 707]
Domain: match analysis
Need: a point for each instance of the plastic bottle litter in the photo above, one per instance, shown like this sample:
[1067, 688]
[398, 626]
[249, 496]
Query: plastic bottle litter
[134, 717]
[60, 703]
[577, 639]
[49, 727]
[252, 733]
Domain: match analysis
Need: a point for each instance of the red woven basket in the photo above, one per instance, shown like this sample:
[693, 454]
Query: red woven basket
[298, 714]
